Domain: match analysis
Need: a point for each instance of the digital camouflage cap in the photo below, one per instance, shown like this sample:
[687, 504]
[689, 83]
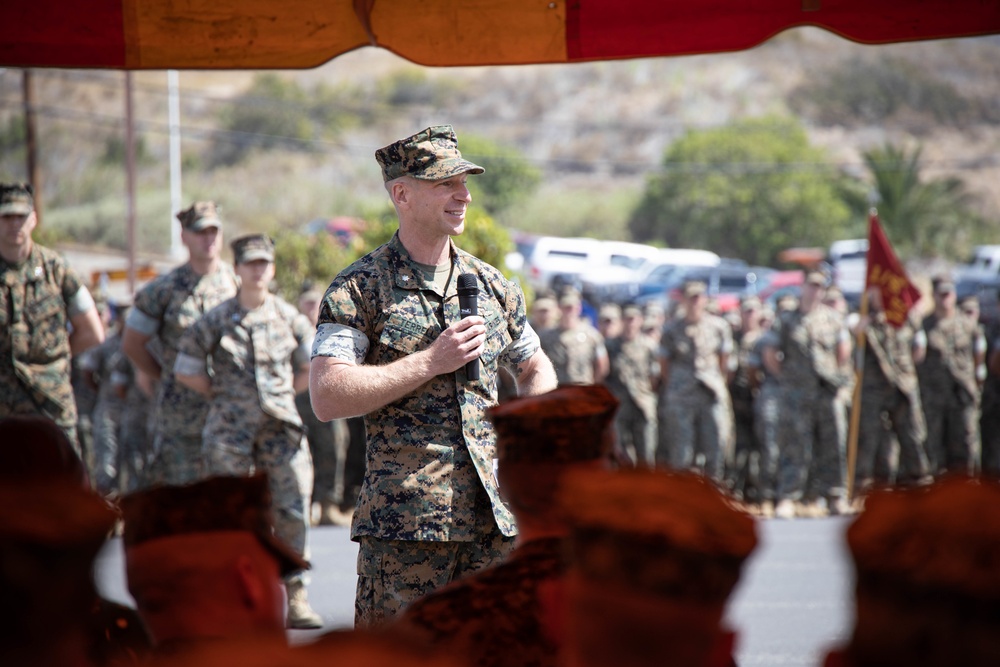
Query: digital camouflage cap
[16, 199]
[200, 215]
[429, 155]
[252, 247]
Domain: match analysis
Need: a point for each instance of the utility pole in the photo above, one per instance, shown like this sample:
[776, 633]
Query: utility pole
[174, 120]
[130, 179]
[31, 138]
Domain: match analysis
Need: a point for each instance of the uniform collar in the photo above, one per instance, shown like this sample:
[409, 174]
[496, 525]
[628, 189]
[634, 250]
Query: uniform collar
[408, 276]
[32, 268]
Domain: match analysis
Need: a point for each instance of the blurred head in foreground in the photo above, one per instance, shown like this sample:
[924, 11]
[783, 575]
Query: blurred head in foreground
[653, 557]
[927, 577]
[203, 562]
[539, 438]
[52, 527]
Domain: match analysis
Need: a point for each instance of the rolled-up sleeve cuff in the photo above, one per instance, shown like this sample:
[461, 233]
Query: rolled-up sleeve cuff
[188, 365]
[81, 302]
[141, 322]
[524, 347]
[341, 342]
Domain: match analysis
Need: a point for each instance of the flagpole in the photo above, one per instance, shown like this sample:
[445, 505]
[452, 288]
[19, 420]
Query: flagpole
[859, 374]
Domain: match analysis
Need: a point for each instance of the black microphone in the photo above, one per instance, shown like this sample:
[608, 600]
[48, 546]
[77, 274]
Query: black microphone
[468, 304]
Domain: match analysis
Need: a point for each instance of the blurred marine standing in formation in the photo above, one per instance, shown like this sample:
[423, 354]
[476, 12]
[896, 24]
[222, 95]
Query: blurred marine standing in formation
[257, 346]
[392, 345]
[575, 347]
[162, 312]
[40, 296]
[699, 424]
[633, 379]
[890, 397]
[807, 350]
[948, 386]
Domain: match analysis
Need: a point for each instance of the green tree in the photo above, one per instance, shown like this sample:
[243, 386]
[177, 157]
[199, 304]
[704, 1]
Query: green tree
[509, 178]
[272, 113]
[923, 217]
[306, 259]
[746, 190]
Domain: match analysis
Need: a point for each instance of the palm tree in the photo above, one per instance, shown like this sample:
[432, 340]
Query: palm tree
[924, 218]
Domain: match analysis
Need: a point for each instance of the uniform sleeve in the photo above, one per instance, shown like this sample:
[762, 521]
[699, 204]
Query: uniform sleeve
[80, 302]
[304, 334]
[147, 311]
[193, 350]
[521, 349]
[524, 341]
[75, 294]
[342, 326]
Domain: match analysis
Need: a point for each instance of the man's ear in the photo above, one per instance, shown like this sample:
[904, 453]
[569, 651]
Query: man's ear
[249, 580]
[400, 193]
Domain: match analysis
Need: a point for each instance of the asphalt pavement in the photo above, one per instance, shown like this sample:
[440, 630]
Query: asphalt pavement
[793, 602]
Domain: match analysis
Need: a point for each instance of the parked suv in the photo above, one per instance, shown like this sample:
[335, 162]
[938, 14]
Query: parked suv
[726, 283]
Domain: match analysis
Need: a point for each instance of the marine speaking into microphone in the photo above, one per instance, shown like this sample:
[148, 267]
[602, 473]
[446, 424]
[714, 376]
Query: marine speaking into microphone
[468, 304]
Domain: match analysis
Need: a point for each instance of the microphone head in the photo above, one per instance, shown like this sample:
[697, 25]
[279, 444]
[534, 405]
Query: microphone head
[468, 282]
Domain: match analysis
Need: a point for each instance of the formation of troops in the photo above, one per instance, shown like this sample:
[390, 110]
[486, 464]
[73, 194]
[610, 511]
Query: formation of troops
[588, 499]
[760, 399]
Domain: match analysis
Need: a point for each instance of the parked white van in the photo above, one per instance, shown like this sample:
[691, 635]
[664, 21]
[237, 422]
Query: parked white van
[585, 261]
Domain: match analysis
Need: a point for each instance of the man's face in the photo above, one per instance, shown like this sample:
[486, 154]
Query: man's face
[696, 304]
[945, 298]
[15, 230]
[632, 324]
[256, 274]
[203, 245]
[439, 206]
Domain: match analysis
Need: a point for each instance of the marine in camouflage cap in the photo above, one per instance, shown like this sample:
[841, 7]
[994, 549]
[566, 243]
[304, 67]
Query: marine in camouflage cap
[253, 247]
[200, 215]
[429, 155]
[694, 288]
[16, 199]
[215, 505]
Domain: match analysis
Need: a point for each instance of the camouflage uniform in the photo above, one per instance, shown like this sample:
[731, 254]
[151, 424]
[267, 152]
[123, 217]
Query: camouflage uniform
[429, 487]
[328, 442]
[766, 423]
[699, 413]
[136, 433]
[252, 422]
[494, 618]
[989, 420]
[889, 387]
[744, 474]
[107, 415]
[813, 427]
[633, 364]
[164, 309]
[950, 393]
[573, 351]
[37, 300]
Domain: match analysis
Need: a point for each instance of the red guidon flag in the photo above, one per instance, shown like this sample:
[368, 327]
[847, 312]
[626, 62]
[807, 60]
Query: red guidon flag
[887, 275]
